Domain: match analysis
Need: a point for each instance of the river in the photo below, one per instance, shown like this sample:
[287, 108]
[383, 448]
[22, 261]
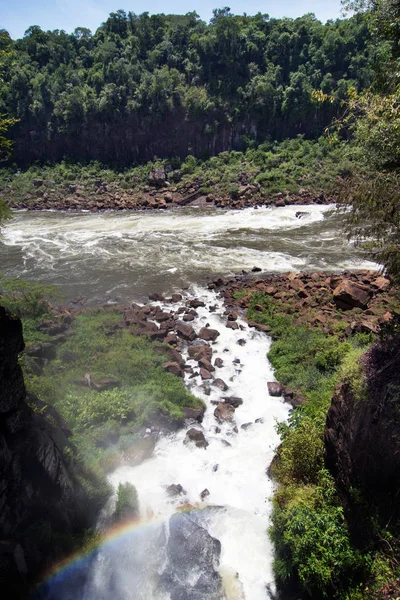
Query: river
[122, 257]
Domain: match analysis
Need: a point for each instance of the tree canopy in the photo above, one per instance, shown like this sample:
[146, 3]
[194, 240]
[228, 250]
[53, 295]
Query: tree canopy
[146, 85]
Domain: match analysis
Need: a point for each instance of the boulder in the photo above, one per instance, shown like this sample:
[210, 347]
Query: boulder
[196, 414]
[232, 325]
[220, 383]
[205, 374]
[206, 364]
[275, 388]
[224, 413]
[197, 436]
[219, 362]
[157, 177]
[233, 401]
[105, 383]
[199, 352]
[186, 332]
[192, 560]
[175, 489]
[208, 334]
[348, 295]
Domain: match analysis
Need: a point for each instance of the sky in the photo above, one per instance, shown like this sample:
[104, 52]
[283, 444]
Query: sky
[17, 15]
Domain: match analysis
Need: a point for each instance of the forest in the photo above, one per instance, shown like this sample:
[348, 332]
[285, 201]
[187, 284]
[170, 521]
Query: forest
[146, 86]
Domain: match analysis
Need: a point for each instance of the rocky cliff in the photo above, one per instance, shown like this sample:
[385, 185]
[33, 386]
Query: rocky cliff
[362, 442]
[41, 503]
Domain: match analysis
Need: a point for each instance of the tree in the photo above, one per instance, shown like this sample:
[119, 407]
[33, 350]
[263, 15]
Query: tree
[373, 190]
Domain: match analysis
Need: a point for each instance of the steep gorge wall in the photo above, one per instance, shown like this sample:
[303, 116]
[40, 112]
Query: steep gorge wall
[41, 503]
[362, 442]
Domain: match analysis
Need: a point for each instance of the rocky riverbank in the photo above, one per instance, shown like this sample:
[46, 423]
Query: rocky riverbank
[159, 194]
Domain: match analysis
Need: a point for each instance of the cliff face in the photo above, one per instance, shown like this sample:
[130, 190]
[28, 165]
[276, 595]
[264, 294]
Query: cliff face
[362, 441]
[41, 504]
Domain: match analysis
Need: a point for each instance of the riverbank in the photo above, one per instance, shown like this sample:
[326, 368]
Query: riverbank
[335, 509]
[82, 197]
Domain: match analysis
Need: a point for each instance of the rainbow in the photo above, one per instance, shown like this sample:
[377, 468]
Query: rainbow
[62, 570]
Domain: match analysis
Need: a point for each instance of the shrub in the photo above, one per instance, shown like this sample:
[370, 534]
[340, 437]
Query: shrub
[127, 505]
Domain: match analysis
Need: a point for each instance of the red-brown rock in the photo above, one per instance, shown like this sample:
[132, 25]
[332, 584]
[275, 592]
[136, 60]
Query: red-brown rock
[348, 295]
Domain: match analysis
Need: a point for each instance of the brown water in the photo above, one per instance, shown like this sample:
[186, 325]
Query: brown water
[118, 257]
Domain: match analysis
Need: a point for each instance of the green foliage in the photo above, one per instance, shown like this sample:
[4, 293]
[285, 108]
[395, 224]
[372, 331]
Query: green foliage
[312, 540]
[127, 504]
[300, 458]
[28, 301]
[144, 78]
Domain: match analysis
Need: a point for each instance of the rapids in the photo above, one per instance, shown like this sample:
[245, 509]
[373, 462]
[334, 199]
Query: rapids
[122, 257]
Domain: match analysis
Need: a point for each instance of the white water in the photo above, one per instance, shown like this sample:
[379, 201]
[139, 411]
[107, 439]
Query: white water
[240, 483]
[121, 256]
[130, 255]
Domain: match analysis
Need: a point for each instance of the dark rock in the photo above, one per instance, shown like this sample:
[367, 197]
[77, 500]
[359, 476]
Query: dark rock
[36, 484]
[175, 489]
[233, 401]
[241, 342]
[191, 571]
[208, 334]
[275, 388]
[188, 317]
[205, 374]
[197, 436]
[219, 362]
[300, 214]
[196, 414]
[176, 298]
[206, 364]
[186, 332]
[256, 270]
[196, 303]
[224, 413]
[204, 494]
[220, 383]
[232, 325]
[259, 420]
[348, 295]
[199, 352]
[246, 425]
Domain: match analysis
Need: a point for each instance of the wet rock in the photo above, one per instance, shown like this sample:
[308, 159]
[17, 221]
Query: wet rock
[215, 468]
[186, 332]
[176, 298]
[232, 316]
[191, 571]
[208, 334]
[196, 303]
[348, 295]
[204, 494]
[197, 436]
[155, 297]
[197, 414]
[256, 270]
[259, 420]
[275, 388]
[199, 352]
[224, 413]
[205, 374]
[219, 362]
[246, 425]
[206, 364]
[220, 383]
[241, 342]
[300, 214]
[232, 325]
[233, 401]
[175, 489]
[226, 443]
[188, 317]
